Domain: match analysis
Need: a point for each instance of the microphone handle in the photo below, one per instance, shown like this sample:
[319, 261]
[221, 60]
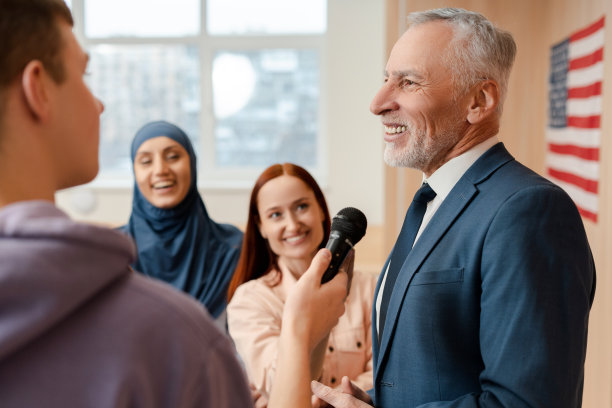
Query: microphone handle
[339, 248]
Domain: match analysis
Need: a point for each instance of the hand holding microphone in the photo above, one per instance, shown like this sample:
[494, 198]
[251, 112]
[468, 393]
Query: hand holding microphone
[347, 229]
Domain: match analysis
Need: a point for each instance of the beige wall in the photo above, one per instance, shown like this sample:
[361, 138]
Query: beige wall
[536, 25]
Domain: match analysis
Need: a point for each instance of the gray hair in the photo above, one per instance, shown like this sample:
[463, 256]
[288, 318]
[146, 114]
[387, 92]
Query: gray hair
[481, 50]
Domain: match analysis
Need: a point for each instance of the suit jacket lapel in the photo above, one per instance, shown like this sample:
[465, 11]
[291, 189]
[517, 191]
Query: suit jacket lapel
[459, 197]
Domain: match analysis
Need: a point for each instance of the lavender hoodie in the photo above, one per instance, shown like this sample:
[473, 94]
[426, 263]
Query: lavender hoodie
[79, 329]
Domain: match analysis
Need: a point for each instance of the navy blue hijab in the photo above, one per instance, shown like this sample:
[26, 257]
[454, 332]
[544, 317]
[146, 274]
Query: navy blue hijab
[182, 245]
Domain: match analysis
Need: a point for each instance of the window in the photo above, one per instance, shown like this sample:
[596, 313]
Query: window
[242, 80]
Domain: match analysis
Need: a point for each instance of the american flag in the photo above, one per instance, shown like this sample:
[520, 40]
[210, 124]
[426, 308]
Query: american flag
[573, 134]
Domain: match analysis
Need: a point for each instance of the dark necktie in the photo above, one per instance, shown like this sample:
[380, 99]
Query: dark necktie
[403, 245]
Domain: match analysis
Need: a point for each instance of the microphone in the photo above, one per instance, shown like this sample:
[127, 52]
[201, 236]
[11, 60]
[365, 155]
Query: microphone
[347, 228]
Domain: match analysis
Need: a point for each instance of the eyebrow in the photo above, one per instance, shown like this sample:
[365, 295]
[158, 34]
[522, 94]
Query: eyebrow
[294, 202]
[164, 150]
[405, 73]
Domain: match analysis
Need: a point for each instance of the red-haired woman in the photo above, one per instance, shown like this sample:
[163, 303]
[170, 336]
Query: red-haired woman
[288, 223]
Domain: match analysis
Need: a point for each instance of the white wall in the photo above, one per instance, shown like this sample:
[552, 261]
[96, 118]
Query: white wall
[354, 62]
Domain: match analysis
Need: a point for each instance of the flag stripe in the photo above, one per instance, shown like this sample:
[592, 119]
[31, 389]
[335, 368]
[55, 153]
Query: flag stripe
[585, 91]
[575, 107]
[588, 169]
[585, 46]
[587, 214]
[586, 153]
[587, 60]
[577, 137]
[588, 185]
[584, 122]
[585, 76]
[584, 106]
[587, 31]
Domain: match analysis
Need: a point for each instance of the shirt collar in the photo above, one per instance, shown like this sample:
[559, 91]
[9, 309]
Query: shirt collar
[444, 179]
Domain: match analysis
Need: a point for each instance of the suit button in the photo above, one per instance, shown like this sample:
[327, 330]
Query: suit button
[358, 344]
[333, 380]
[331, 349]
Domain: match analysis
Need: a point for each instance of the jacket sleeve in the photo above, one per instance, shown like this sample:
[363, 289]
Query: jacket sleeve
[538, 283]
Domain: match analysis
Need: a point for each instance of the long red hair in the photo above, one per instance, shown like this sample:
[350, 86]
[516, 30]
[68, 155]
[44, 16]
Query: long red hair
[256, 257]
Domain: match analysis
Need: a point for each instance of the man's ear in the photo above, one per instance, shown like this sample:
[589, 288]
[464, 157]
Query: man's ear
[485, 100]
[34, 84]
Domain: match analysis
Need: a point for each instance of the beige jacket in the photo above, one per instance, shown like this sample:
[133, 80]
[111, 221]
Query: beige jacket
[254, 320]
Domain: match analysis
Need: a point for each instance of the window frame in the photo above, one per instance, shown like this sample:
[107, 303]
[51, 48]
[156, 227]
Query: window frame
[209, 175]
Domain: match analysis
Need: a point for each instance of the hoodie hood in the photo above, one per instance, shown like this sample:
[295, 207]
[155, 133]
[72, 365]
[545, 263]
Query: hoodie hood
[49, 267]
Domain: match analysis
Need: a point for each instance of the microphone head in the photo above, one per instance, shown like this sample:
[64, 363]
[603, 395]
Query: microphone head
[351, 223]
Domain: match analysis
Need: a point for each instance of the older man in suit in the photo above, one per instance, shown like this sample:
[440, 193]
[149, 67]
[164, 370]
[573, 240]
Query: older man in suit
[485, 299]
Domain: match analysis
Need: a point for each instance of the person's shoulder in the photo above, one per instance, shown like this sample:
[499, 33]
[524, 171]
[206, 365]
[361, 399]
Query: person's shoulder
[159, 305]
[177, 333]
[364, 280]
[515, 178]
[363, 286]
[253, 290]
[520, 179]
[517, 192]
[257, 296]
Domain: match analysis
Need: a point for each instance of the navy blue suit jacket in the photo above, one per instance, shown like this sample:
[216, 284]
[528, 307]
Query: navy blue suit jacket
[491, 306]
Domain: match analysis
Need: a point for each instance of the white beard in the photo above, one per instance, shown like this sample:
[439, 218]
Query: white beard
[419, 151]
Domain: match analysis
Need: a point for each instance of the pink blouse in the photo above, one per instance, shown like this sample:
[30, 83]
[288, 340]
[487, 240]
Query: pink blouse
[254, 320]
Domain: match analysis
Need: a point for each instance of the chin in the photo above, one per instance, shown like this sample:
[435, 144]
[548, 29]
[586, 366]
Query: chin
[392, 158]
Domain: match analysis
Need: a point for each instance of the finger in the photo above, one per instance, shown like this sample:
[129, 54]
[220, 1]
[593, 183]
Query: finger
[346, 386]
[316, 402]
[319, 264]
[321, 391]
[255, 394]
[328, 394]
[262, 402]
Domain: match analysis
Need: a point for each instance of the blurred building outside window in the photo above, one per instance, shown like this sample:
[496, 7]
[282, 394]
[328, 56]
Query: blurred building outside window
[241, 77]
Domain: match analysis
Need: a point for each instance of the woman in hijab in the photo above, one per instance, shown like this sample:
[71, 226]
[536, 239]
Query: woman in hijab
[177, 241]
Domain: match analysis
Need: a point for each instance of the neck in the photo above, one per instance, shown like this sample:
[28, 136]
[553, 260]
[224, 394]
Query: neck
[25, 172]
[20, 183]
[472, 137]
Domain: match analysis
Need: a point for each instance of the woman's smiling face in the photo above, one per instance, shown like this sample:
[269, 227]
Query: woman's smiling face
[290, 218]
[162, 171]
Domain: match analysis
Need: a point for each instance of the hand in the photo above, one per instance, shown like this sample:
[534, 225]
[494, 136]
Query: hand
[310, 311]
[259, 400]
[312, 308]
[348, 395]
[318, 403]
